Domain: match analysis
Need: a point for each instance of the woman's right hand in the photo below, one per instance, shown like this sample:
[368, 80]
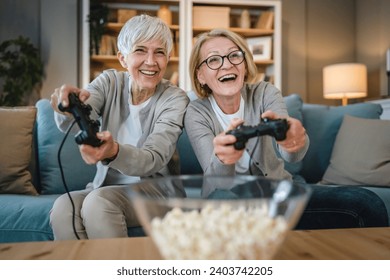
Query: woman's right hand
[60, 95]
[223, 145]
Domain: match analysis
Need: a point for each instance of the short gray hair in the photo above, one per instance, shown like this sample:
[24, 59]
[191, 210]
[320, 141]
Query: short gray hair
[143, 28]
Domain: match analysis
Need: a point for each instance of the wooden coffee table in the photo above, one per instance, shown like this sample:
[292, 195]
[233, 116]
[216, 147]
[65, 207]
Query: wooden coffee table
[337, 244]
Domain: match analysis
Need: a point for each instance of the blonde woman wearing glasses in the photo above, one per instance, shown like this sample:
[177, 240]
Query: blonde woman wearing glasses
[222, 69]
[222, 72]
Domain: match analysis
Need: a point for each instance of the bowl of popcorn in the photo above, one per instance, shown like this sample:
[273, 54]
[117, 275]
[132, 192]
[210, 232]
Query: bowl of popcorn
[218, 217]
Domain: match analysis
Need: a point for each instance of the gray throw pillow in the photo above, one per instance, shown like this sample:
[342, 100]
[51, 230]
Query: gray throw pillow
[361, 153]
[322, 124]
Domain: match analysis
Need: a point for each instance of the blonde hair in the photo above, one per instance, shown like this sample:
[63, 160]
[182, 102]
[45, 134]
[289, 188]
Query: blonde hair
[195, 59]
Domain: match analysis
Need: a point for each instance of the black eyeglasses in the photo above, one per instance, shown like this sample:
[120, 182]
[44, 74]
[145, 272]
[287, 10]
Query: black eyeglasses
[215, 62]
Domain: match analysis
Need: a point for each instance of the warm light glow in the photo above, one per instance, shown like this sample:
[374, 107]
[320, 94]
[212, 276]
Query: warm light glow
[344, 81]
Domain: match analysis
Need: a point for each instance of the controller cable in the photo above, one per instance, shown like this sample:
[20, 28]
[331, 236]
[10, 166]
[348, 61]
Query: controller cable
[64, 181]
[262, 120]
[251, 156]
[260, 188]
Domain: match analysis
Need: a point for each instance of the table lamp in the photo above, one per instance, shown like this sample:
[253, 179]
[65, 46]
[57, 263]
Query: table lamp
[344, 81]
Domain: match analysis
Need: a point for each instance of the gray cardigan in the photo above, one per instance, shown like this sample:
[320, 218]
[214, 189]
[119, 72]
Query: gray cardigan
[202, 126]
[161, 121]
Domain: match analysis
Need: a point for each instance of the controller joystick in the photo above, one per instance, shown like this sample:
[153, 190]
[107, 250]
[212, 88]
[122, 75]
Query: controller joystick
[88, 127]
[276, 128]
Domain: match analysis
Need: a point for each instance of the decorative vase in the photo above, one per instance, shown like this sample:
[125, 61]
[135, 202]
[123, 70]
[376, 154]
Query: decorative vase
[165, 14]
[245, 20]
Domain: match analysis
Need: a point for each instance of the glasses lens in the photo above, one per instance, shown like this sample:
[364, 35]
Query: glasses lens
[236, 57]
[214, 62]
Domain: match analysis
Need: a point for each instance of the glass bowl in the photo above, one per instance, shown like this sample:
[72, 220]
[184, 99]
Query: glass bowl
[218, 217]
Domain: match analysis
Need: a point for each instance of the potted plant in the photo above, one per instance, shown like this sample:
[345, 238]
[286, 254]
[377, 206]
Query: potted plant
[21, 71]
[97, 18]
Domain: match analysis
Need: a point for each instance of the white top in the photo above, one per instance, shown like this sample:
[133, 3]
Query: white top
[242, 164]
[129, 133]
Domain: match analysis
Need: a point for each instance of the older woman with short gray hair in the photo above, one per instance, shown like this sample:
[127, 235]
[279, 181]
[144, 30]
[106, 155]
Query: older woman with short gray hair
[141, 116]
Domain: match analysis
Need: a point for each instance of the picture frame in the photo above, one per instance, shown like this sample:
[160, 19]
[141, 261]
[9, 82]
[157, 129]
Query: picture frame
[260, 47]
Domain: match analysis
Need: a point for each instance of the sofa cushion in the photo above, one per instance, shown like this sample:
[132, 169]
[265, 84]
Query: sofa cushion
[294, 108]
[76, 172]
[189, 164]
[322, 124]
[361, 153]
[25, 217]
[16, 125]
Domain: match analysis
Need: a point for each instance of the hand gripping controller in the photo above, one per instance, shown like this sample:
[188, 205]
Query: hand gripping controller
[276, 128]
[88, 127]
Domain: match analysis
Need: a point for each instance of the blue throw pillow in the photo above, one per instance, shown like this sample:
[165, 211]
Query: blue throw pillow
[294, 106]
[322, 124]
[77, 173]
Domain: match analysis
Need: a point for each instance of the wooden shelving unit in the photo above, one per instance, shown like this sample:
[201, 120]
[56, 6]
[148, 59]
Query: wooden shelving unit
[269, 68]
[183, 31]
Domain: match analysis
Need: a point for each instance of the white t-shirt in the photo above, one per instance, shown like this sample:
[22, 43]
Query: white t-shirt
[242, 164]
[129, 133]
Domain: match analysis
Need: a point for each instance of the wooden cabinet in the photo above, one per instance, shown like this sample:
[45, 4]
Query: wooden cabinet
[256, 20]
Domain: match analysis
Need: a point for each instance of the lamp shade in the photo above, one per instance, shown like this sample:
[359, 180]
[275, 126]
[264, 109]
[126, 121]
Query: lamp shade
[345, 80]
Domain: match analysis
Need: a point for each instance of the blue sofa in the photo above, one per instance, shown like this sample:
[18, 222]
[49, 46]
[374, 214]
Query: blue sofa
[26, 217]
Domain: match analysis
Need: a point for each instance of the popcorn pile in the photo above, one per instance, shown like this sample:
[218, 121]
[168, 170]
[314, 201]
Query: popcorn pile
[218, 233]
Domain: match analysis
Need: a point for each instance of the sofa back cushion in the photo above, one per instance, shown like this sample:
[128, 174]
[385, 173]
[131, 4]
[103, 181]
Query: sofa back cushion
[294, 107]
[322, 124]
[189, 164]
[76, 172]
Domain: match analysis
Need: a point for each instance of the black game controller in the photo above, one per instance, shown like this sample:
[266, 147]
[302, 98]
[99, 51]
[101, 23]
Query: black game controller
[88, 127]
[276, 128]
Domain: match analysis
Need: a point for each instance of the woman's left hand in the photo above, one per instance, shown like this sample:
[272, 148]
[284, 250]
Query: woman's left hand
[295, 136]
[108, 150]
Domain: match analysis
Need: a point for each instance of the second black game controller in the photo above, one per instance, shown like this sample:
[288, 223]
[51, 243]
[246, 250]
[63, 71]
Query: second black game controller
[276, 128]
[88, 127]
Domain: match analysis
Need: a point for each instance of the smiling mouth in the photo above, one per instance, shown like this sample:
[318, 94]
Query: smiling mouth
[148, 72]
[228, 78]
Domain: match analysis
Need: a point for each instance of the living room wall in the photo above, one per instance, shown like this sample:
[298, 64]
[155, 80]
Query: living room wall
[316, 33]
[52, 26]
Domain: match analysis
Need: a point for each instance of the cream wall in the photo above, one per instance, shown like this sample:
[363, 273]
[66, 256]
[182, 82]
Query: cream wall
[294, 48]
[52, 26]
[372, 41]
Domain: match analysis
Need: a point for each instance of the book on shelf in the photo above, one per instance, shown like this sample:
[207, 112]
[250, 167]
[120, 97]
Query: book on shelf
[108, 45]
[124, 15]
[265, 20]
